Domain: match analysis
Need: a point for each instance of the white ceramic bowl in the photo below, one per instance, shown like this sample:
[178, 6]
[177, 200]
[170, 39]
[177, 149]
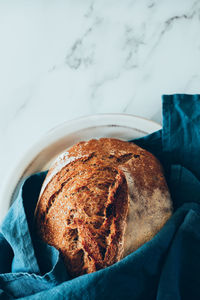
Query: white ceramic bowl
[41, 155]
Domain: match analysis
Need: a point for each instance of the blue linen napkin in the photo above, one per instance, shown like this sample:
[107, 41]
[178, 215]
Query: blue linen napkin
[167, 267]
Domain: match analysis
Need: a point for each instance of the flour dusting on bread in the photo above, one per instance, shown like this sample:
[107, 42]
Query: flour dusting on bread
[100, 201]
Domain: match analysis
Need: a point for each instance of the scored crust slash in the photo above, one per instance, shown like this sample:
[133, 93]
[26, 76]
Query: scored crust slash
[100, 201]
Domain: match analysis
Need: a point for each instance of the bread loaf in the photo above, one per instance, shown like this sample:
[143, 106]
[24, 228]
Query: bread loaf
[100, 201]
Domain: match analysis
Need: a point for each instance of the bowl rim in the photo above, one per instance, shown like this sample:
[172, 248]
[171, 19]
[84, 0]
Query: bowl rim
[16, 173]
[99, 115]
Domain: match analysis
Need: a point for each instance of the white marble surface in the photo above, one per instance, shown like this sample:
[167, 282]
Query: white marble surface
[63, 59]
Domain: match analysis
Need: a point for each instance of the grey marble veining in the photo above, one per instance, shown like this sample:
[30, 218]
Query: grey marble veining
[63, 59]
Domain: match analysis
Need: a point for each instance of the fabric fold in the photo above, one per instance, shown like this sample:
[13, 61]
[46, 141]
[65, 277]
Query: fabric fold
[167, 267]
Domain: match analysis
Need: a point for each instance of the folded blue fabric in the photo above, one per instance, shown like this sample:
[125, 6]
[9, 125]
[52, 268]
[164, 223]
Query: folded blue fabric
[167, 267]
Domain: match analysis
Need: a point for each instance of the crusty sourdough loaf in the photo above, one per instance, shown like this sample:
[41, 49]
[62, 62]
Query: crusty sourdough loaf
[100, 201]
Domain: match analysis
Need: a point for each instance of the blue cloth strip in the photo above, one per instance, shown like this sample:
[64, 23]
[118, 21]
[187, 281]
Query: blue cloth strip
[167, 267]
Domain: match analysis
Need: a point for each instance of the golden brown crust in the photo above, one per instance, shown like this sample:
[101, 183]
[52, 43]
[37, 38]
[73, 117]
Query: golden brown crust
[88, 198]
